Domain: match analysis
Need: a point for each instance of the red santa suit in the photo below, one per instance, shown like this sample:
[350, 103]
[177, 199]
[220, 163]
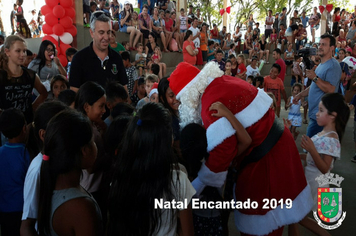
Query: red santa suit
[277, 174]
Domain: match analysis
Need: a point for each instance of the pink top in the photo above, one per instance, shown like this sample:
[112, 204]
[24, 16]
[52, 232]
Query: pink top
[273, 37]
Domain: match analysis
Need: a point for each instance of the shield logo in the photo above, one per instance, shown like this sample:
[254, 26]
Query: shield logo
[329, 204]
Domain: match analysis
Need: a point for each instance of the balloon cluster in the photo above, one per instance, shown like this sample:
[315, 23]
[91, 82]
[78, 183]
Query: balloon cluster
[59, 16]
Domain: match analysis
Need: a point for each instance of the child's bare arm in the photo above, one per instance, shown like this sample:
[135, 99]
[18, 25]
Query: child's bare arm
[243, 138]
[288, 104]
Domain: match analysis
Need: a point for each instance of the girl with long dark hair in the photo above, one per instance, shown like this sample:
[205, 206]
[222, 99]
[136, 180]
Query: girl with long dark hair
[47, 64]
[67, 208]
[146, 172]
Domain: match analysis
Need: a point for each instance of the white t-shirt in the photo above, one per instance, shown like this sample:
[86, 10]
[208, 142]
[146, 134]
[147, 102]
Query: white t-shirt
[181, 191]
[197, 40]
[270, 20]
[31, 191]
[251, 71]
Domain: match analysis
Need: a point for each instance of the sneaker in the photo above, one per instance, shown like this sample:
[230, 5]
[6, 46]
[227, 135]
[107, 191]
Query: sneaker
[353, 159]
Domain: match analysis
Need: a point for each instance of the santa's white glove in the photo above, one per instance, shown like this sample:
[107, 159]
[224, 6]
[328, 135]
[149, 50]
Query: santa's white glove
[198, 186]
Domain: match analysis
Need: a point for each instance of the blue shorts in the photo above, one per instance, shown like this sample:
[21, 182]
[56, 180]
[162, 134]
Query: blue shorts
[123, 29]
[183, 31]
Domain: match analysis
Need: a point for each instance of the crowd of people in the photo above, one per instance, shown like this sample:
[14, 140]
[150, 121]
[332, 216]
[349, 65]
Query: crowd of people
[87, 149]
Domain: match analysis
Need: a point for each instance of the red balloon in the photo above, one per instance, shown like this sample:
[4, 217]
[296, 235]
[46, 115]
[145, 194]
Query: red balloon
[47, 29]
[45, 10]
[63, 60]
[51, 19]
[64, 48]
[50, 38]
[72, 30]
[66, 3]
[52, 3]
[58, 29]
[70, 12]
[59, 11]
[66, 22]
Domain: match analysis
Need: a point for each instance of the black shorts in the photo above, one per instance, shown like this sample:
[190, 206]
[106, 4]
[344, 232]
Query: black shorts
[268, 33]
[145, 33]
[86, 8]
[205, 55]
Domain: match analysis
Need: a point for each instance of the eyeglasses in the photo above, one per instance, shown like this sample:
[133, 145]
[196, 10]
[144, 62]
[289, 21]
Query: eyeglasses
[50, 50]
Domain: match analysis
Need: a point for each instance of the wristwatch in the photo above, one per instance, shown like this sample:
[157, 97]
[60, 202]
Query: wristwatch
[315, 79]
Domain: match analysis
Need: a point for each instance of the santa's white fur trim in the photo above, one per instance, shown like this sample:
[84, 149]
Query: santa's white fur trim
[222, 129]
[190, 95]
[276, 218]
[210, 178]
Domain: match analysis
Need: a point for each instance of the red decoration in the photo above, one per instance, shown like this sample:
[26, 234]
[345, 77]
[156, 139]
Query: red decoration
[329, 7]
[72, 30]
[222, 11]
[63, 47]
[59, 11]
[228, 9]
[70, 12]
[50, 38]
[66, 22]
[66, 3]
[47, 29]
[45, 10]
[63, 60]
[51, 19]
[58, 29]
[51, 3]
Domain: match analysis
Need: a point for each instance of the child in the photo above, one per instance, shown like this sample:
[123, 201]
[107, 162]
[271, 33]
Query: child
[67, 97]
[91, 101]
[211, 50]
[250, 79]
[232, 50]
[241, 69]
[324, 148]
[156, 59]
[258, 82]
[154, 93]
[183, 22]
[131, 72]
[218, 58]
[126, 45]
[14, 162]
[115, 94]
[272, 83]
[70, 52]
[252, 69]
[140, 59]
[228, 67]
[273, 38]
[149, 81]
[31, 193]
[297, 71]
[193, 145]
[140, 93]
[294, 114]
[58, 84]
[146, 170]
[155, 69]
[68, 148]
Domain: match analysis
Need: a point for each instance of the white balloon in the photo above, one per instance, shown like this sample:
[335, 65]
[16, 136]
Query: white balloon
[66, 38]
[54, 36]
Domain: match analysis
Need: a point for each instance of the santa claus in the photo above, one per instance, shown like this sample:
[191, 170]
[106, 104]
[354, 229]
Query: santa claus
[270, 170]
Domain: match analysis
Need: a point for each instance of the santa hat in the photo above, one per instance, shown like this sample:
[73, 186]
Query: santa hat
[154, 89]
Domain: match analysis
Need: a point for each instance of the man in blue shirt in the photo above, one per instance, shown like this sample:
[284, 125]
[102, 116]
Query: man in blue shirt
[325, 78]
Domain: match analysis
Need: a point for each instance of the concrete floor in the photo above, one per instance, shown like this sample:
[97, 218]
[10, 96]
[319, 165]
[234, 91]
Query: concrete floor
[344, 168]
